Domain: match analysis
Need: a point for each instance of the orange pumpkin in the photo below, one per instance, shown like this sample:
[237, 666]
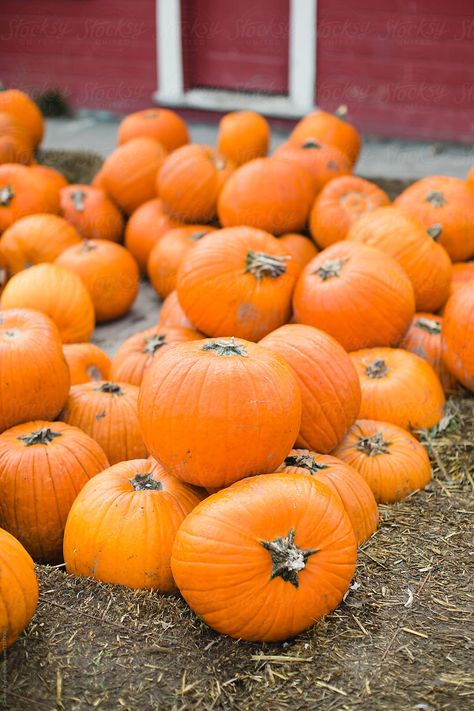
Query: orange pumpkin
[463, 273]
[171, 313]
[267, 193]
[34, 377]
[398, 387]
[328, 128]
[328, 381]
[108, 271]
[59, 294]
[237, 281]
[245, 550]
[25, 112]
[22, 192]
[43, 466]
[53, 177]
[163, 125]
[424, 339]
[299, 247]
[339, 205]
[344, 481]
[91, 212]
[322, 161]
[145, 227]
[190, 182]
[86, 361]
[15, 144]
[357, 294]
[458, 335]
[390, 459]
[4, 273]
[216, 410]
[243, 136]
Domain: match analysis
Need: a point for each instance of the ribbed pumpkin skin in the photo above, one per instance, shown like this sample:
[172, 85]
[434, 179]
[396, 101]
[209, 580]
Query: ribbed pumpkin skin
[299, 247]
[322, 161]
[86, 362]
[163, 125]
[424, 339]
[344, 481]
[35, 239]
[34, 377]
[408, 394]
[243, 136]
[369, 301]
[146, 226]
[328, 128]
[91, 212]
[447, 202]
[109, 273]
[214, 411]
[225, 573]
[108, 413]
[121, 535]
[222, 294]
[39, 482]
[23, 193]
[458, 335]
[171, 313]
[25, 112]
[390, 459]
[328, 381]
[267, 193]
[339, 205]
[56, 292]
[402, 237]
[140, 351]
[18, 589]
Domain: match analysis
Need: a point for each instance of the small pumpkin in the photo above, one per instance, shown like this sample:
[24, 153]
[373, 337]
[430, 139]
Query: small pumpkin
[463, 273]
[22, 192]
[15, 144]
[86, 361]
[91, 212]
[243, 136]
[323, 162]
[332, 129]
[299, 247]
[146, 226]
[164, 125]
[171, 313]
[458, 335]
[53, 177]
[392, 462]
[424, 339]
[25, 112]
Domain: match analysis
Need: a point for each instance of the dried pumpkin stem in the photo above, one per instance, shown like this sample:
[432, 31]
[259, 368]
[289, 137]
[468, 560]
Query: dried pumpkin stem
[429, 325]
[305, 461]
[261, 265]
[43, 436]
[377, 369]
[287, 558]
[87, 246]
[93, 372]
[199, 234]
[341, 112]
[331, 268]
[78, 200]
[111, 388]
[374, 445]
[6, 195]
[435, 231]
[154, 343]
[311, 143]
[436, 198]
[226, 347]
[145, 482]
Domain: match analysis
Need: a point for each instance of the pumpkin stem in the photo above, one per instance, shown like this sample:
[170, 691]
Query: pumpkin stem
[436, 198]
[87, 246]
[305, 461]
[374, 445]
[331, 268]
[154, 343]
[6, 195]
[261, 265]
[287, 559]
[78, 200]
[226, 347]
[196, 236]
[10, 333]
[429, 325]
[341, 112]
[42, 436]
[435, 231]
[150, 114]
[145, 482]
[111, 388]
[93, 372]
[377, 369]
[311, 143]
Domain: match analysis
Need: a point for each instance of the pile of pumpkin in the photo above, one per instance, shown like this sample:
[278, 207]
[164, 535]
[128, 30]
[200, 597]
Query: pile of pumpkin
[237, 450]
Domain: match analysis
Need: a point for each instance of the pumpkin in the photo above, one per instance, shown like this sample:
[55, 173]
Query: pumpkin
[86, 361]
[458, 335]
[163, 125]
[424, 339]
[98, 180]
[168, 253]
[108, 271]
[51, 176]
[4, 274]
[357, 294]
[256, 568]
[463, 273]
[322, 161]
[445, 206]
[22, 193]
[123, 523]
[15, 145]
[34, 377]
[35, 239]
[267, 193]
[128, 174]
[299, 247]
[91, 212]
[18, 589]
[243, 136]
[107, 412]
[237, 281]
[217, 410]
[332, 129]
[390, 459]
[339, 205]
[190, 182]
[58, 293]
[138, 352]
[398, 387]
[344, 481]
[402, 237]
[25, 112]
[328, 381]
[145, 227]
[172, 315]
[43, 466]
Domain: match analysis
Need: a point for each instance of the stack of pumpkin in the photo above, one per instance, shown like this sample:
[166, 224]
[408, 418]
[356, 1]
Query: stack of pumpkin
[237, 450]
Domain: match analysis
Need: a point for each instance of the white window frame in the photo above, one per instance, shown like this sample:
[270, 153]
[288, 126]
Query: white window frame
[302, 67]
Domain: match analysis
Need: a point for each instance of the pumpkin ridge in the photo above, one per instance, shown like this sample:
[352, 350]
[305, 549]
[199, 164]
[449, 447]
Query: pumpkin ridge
[287, 558]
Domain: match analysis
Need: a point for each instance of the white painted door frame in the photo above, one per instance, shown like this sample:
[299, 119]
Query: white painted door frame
[302, 67]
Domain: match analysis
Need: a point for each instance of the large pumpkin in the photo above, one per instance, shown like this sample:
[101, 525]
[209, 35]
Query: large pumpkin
[463, 273]
[25, 112]
[424, 339]
[171, 313]
[265, 559]
[217, 410]
[22, 192]
[34, 377]
[59, 294]
[145, 227]
[122, 525]
[299, 247]
[390, 459]
[329, 128]
[357, 294]
[18, 589]
[91, 212]
[237, 282]
[243, 136]
[43, 466]
[15, 144]
[268, 193]
[86, 361]
[458, 335]
[328, 381]
[398, 387]
[322, 161]
[163, 125]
